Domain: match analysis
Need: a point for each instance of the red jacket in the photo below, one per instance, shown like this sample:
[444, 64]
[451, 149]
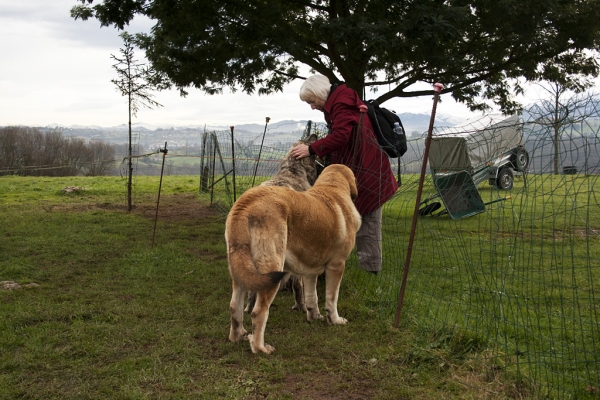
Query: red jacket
[371, 166]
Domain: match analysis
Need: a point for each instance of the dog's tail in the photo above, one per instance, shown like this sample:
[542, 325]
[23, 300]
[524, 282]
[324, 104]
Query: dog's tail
[243, 272]
[243, 264]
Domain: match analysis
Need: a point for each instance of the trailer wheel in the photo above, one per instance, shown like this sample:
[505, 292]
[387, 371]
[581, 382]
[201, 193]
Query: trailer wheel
[520, 159]
[430, 208]
[505, 179]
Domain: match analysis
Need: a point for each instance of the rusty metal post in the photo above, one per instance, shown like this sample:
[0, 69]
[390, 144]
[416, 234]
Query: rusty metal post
[214, 160]
[233, 163]
[203, 168]
[260, 151]
[164, 151]
[437, 88]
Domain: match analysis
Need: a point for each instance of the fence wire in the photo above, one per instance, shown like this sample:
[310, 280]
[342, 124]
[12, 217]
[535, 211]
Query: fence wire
[520, 278]
[516, 284]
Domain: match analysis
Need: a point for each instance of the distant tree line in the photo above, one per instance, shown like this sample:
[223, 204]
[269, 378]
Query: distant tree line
[28, 151]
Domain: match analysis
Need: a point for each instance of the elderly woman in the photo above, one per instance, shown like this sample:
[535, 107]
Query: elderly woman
[357, 149]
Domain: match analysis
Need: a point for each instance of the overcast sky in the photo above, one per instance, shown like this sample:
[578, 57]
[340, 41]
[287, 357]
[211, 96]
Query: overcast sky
[56, 70]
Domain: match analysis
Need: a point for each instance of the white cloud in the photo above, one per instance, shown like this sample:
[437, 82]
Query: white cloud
[58, 70]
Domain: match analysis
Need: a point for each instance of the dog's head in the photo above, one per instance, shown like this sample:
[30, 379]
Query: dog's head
[335, 174]
[309, 164]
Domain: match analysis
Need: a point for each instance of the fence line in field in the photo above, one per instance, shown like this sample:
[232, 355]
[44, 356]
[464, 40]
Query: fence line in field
[516, 285]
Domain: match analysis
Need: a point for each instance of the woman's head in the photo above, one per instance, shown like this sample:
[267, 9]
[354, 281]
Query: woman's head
[315, 91]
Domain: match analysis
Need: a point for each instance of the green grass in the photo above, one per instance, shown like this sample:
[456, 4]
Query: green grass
[521, 277]
[115, 318]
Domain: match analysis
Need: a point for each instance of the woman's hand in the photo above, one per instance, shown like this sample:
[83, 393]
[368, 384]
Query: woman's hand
[300, 151]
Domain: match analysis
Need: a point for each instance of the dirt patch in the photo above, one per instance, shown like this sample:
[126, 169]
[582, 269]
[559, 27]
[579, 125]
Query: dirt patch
[328, 386]
[72, 189]
[584, 233]
[176, 208]
[555, 234]
[10, 285]
[172, 208]
[207, 255]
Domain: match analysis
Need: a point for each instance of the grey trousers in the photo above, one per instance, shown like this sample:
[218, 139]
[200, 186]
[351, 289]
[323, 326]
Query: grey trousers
[368, 242]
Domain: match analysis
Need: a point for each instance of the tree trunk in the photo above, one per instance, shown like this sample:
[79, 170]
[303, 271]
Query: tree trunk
[129, 164]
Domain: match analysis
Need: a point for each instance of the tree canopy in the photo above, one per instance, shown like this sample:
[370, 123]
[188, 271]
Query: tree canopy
[481, 50]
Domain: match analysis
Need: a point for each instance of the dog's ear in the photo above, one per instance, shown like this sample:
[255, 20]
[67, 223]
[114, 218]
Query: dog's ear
[352, 183]
[311, 139]
[353, 188]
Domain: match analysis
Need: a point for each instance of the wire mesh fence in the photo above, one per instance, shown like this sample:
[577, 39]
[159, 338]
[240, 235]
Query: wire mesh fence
[521, 277]
[516, 283]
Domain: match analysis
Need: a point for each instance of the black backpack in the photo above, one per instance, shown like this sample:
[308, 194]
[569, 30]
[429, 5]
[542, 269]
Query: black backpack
[383, 120]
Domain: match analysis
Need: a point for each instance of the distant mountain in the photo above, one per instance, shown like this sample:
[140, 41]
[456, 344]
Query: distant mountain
[412, 122]
[285, 126]
[418, 122]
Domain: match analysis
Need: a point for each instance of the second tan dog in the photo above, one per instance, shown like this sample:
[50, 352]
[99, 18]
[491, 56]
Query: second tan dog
[272, 229]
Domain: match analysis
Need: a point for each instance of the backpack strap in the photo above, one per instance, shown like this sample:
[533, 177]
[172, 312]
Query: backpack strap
[372, 117]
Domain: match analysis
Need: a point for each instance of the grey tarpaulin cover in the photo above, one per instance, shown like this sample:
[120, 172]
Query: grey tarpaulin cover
[469, 147]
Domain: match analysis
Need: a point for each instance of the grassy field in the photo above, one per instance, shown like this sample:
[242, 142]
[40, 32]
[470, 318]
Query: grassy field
[520, 278]
[103, 314]
[518, 283]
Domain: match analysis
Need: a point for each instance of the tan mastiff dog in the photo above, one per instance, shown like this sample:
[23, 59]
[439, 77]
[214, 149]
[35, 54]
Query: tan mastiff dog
[300, 175]
[272, 229]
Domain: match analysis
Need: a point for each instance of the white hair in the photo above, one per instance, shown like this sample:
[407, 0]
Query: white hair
[315, 85]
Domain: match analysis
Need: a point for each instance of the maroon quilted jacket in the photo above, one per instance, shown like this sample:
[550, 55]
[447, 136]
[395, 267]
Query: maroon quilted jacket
[359, 151]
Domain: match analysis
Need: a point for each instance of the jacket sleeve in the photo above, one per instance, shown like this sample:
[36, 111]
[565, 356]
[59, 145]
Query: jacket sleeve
[344, 117]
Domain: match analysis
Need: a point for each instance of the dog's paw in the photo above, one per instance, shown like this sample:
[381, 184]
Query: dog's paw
[297, 307]
[237, 336]
[336, 321]
[313, 314]
[266, 348]
[312, 317]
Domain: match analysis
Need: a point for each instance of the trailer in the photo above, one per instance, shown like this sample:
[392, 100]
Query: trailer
[460, 158]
